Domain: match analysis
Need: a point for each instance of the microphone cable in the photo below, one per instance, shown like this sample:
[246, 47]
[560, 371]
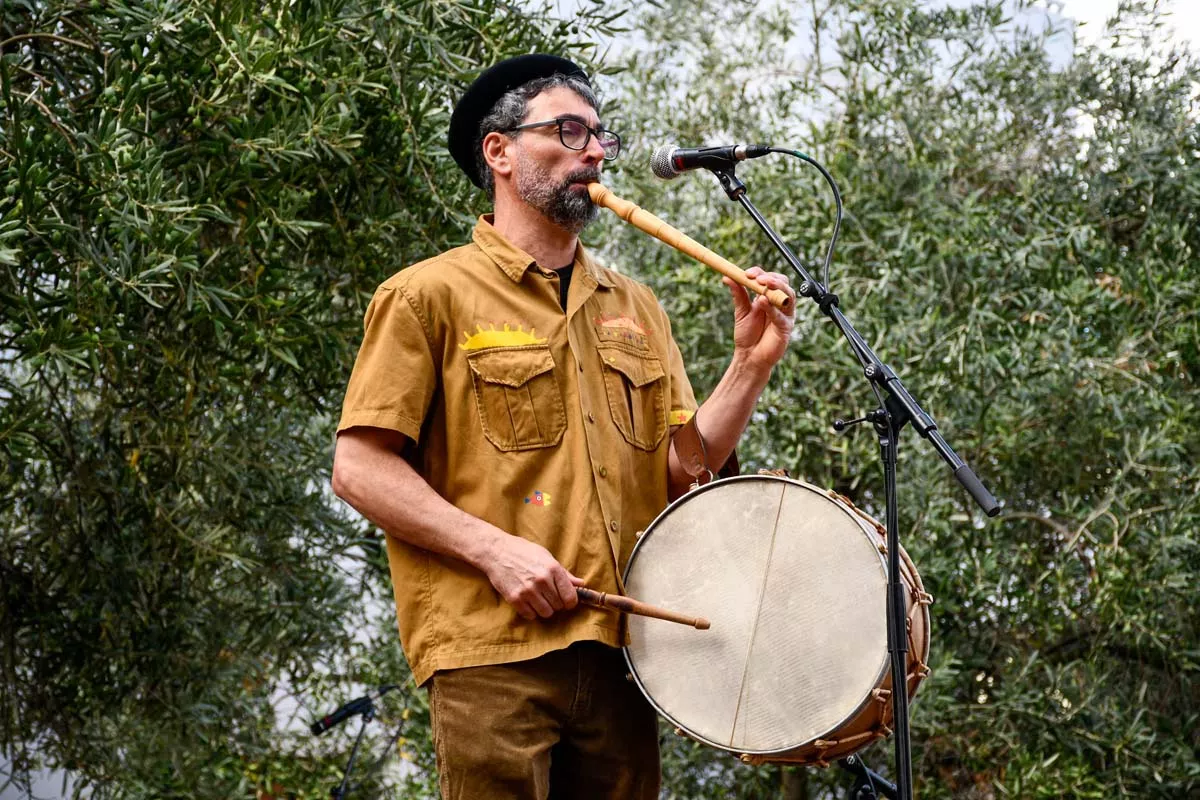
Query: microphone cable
[837, 199]
[837, 226]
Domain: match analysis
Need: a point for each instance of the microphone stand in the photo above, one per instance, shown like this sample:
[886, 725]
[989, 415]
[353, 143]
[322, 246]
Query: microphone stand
[868, 784]
[368, 714]
[896, 409]
[365, 706]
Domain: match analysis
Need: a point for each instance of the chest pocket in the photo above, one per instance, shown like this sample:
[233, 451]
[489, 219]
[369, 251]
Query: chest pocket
[520, 404]
[636, 388]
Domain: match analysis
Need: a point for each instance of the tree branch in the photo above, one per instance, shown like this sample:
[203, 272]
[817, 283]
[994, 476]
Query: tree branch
[55, 37]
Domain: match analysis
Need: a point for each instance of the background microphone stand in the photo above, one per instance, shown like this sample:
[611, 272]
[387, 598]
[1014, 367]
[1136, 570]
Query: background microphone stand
[894, 411]
[368, 714]
[364, 706]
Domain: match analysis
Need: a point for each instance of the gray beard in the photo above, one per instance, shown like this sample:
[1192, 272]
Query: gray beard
[564, 207]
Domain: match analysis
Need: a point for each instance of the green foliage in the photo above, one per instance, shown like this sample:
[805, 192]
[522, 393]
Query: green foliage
[198, 198]
[1020, 244]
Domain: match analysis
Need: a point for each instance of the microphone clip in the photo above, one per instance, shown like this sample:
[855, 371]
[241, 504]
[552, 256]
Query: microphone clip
[730, 182]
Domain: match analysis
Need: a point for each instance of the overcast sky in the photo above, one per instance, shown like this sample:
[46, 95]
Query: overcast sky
[1185, 17]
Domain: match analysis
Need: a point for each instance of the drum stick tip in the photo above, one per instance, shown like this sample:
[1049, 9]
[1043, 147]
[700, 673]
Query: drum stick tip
[702, 624]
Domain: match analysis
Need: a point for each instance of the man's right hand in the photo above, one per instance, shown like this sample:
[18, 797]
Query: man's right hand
[370, 473]
[529, 578]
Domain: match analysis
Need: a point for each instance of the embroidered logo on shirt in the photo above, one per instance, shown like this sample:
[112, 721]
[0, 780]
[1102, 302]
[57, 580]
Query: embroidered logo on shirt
[507, 337]
[619, 323]
[538, 499]
[621, 328]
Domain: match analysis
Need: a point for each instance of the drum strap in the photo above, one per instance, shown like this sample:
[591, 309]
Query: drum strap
[693, 455]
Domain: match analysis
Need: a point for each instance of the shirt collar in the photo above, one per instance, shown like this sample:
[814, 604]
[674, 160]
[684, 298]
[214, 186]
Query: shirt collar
[515, 262]
[584, 259]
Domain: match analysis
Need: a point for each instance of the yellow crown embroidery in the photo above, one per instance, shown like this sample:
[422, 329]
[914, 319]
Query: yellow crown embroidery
[508, 337]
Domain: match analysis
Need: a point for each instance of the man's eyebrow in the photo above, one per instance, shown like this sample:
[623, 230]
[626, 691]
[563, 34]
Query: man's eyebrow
[581, 120]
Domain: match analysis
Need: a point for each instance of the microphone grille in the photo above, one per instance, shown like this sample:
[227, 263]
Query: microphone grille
[660, 163]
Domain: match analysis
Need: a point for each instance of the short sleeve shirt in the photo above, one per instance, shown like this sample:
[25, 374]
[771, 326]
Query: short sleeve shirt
[552, 424]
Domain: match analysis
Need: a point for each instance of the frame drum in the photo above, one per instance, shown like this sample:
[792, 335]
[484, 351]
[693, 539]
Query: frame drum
[795, 667]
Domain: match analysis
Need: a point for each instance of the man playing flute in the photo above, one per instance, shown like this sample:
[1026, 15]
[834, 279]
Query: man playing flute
[510, 423]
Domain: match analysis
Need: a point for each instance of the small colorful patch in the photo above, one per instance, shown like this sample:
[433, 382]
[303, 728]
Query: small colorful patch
[679, 416]
[611, 321]
[538, 499]
[507, 337]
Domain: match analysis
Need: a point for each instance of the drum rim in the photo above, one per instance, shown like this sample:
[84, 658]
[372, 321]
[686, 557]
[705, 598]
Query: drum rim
[680, 727]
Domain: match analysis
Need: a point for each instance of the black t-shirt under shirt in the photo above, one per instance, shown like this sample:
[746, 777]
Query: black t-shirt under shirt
[564, 283]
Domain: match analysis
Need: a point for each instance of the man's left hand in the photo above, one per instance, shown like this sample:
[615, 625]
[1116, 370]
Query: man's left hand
[760, 331]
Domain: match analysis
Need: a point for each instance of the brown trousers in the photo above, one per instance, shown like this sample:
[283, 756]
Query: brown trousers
[565, 725]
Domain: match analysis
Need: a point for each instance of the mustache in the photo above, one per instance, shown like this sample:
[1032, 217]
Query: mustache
[582, 176]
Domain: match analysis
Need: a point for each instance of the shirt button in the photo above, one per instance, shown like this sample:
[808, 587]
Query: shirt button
[591, 417]
[612, 526]
[603, 472]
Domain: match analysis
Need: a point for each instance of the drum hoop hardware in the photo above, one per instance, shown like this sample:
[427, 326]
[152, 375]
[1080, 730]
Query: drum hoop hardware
[857, 741]
[836, 495]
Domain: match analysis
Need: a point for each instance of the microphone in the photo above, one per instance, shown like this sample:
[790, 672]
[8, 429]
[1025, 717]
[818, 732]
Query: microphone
[670, 161]
[345, 711]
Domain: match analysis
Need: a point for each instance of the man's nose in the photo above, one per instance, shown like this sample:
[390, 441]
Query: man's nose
[593, 152]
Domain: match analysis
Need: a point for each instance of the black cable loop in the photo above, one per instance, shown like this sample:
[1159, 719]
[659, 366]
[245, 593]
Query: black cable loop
[829, 300]
[837, 199]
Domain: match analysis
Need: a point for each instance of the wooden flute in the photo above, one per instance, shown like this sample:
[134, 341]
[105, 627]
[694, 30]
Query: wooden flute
[645, 221]
[591, 597]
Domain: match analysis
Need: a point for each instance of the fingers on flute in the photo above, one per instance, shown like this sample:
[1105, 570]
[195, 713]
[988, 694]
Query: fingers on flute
[741, 297]
[771, 280]
[565, 583]
[774, 280]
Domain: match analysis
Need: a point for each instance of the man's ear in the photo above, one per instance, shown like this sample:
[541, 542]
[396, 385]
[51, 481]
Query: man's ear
[496, 153]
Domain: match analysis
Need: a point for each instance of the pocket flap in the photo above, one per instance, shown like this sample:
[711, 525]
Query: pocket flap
[639, 369]
[511, 366]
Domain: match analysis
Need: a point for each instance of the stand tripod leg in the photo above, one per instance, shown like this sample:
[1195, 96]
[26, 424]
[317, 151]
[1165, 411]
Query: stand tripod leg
[868, 784]
[340, 792]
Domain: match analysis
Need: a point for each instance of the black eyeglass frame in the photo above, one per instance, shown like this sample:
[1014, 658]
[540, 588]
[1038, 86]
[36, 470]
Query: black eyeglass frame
[591, 132]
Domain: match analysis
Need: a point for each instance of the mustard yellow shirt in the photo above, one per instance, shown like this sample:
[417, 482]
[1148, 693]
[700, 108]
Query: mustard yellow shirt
[551, 425]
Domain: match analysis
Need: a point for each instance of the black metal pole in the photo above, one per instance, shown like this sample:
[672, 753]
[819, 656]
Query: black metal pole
[888, 429]
[367, 715]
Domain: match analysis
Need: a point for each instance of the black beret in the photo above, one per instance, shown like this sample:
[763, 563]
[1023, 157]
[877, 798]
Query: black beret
[481, 96]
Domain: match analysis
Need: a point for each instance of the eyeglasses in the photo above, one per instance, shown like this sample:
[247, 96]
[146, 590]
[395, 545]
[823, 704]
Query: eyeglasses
[574, 135]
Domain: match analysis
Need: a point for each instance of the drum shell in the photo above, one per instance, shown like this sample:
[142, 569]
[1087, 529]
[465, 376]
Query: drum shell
[824, 518]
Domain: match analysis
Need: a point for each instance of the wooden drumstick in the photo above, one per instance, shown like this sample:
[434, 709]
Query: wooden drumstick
[631, 606]
[645, 221]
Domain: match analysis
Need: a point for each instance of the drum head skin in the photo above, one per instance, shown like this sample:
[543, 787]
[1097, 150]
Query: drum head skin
[796, 589]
